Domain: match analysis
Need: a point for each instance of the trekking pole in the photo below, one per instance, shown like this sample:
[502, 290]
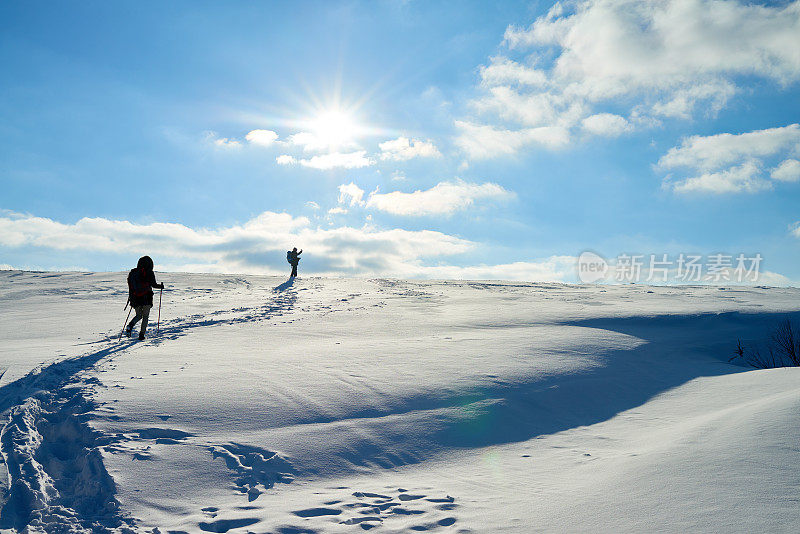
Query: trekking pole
[123, 324]
[158, 324]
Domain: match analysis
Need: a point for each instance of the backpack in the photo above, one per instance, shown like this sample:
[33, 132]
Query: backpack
[289, 256]
[137, 283]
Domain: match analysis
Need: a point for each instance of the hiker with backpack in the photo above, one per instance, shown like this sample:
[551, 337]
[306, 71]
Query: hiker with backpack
[141, 280]
[293, 257]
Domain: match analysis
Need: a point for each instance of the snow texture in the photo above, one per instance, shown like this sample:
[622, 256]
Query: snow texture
[330, 405]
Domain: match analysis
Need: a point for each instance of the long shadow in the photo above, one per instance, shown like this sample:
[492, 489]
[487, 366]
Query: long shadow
[54, 376]
[675, 349]
[284, 286]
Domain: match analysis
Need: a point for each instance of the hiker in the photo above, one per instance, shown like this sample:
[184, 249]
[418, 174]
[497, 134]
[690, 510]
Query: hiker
[140, 295]
[293, 257]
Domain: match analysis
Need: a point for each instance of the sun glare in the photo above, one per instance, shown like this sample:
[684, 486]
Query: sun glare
[334, 128]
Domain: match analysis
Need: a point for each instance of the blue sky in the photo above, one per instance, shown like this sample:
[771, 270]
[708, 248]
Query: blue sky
[409, 139]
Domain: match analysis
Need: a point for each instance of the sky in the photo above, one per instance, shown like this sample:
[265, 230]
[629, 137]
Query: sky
[409, 139]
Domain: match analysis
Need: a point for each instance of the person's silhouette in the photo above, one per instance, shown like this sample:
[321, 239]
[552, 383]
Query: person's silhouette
[140, 295]
[294, 258]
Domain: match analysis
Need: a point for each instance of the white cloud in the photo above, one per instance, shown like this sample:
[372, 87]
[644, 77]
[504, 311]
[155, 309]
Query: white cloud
[314, 142]
[742, 179]
[645, 58]
[285, 159]
[262, 137]
[483, 141]
[716, 151]
[222, 142]
[313, 205]
[787, 171]
[734, 163]
[350, 160]
[338, 210]
[502, 71]
[402, 149]
[795, 229]
[552, 269]
[257, 246]
[352, 194]
[347, 160]
[606, 124]
[442, 199]
[309, 141]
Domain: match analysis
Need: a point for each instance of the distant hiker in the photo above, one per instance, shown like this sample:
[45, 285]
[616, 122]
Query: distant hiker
[293, 257]
[140, 295]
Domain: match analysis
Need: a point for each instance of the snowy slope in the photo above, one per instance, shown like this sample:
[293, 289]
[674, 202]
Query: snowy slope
[329, 405]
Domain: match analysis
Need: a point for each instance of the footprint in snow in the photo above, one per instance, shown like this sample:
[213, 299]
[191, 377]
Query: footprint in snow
[396, 509]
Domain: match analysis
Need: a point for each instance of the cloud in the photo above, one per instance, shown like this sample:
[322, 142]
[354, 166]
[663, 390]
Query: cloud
[442, 199]
[503, 71]
[794, 229]
[257, 246]
[483, 141]
[338, 210]
[402, 149]
[285, 159]
[552, 269]
[787, 171]
[314, 142]
[716, 151]
[640, 59]
[222, 142]
[349, 160]
[734, 163]
[308, 141]
[334, 160]
[742, 179]
[352, 194]
[606, 124]
[313, 205]
[262, 137]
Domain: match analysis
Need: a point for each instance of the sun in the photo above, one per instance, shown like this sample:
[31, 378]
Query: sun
[334, 128]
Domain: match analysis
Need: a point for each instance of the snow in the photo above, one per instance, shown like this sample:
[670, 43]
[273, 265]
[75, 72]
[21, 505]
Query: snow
[340, 405]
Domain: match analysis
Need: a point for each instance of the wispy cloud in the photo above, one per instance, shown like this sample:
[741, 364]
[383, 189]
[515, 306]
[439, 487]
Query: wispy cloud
[258, 246]
[255, 246]
[351, 194]
[787, 171]
[734, 163]
[444, 198]
[349, 160]
[403, 148]
[222, 142]
[485, 141]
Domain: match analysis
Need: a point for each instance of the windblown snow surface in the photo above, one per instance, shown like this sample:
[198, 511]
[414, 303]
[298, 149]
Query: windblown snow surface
[330, 405]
